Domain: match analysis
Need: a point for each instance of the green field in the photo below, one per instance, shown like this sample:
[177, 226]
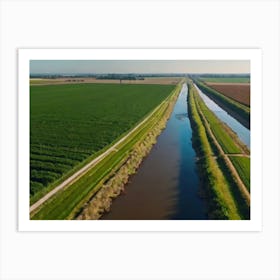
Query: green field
[242, 165]
[66, 203]
[226, 79]
[71, 124]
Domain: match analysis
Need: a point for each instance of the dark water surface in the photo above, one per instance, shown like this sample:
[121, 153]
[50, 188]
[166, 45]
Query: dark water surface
[242, 132]
[166, 185]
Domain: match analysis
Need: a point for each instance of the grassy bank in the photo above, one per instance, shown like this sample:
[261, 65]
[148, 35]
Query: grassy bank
[224, 197]
[101, 202]
[67, 203]
[228, 140]
[236, 109]
[242, 165]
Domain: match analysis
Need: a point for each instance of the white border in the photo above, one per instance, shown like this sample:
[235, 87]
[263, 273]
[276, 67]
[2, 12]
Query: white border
[25, 55]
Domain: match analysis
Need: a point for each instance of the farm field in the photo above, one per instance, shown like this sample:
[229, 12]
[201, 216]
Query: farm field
[67, 202]
[155, 81]
[239, 92]
[226, 79]
[239, 111]
[227, 183]
[72, 124]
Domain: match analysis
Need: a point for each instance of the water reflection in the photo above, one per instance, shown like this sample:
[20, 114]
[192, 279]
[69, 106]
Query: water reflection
[166, 185]
[181, 117]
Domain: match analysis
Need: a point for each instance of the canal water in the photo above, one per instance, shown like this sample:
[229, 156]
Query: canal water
[166, 185]
[242, 132]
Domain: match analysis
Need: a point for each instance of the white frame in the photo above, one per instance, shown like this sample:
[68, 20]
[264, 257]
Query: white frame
[254, 55]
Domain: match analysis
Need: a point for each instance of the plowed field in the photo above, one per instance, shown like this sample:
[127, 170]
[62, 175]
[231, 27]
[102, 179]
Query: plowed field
[237, 91]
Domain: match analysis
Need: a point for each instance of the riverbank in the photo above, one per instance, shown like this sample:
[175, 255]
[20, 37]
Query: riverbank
[166, 184]
[101, 202]
[223, 188]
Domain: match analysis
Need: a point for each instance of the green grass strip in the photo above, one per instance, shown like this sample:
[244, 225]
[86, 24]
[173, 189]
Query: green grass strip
[227, 143]
[222, 204]
[226, 80]
[242, 165]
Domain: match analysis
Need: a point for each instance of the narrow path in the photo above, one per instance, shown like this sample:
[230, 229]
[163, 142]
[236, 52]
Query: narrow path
[73, 178]
[238, 155]
[240, 183]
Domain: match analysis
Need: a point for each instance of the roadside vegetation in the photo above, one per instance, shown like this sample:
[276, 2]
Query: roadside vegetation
[212, 140]
[72, 124]
[236, 109]
[69, 202]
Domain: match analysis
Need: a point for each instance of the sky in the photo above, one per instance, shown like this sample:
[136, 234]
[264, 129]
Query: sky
[139, 66]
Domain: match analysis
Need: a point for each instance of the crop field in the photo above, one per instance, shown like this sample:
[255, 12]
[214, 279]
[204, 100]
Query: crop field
[66, 203]
[148, 80]
[237, 92]
[71, 124]
[242, 164]
[226, 80]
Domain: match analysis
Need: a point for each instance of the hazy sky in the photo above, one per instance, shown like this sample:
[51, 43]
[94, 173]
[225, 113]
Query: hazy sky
[138, 66]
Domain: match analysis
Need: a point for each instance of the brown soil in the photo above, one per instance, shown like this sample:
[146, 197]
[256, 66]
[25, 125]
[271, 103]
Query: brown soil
[237, 91]
[162, 81]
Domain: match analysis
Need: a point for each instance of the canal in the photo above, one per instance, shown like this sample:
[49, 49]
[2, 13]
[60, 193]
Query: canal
[166, 186]
[242, 132]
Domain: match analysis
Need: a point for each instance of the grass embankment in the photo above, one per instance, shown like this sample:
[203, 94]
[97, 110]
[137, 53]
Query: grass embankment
[102, 201]
[228, 140]
[67, 203]
[236, 109]
[242, 165]
[226, 201]
[224, 138]
[72, 124]
[229, 143]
